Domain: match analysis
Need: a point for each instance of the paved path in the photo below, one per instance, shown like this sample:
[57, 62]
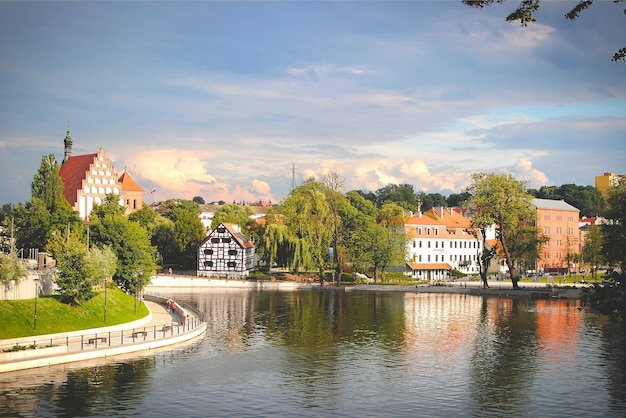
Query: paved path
[162, 329]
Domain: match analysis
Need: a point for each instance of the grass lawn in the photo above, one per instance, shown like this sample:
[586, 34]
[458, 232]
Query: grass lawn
[17, 316]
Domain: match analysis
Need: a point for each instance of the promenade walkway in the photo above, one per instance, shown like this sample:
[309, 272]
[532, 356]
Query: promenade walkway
[161, 328]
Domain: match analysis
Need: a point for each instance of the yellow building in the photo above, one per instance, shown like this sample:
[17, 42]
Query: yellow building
[606, 181]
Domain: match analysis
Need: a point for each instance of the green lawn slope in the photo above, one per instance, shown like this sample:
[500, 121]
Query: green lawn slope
[17, 317]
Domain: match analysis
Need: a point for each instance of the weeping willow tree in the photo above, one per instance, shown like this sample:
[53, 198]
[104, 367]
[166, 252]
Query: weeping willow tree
[301, 236]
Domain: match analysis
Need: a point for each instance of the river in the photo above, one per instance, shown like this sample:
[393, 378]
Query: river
[321, 353]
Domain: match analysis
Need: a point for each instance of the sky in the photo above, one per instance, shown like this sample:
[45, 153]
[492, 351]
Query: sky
[236, 101]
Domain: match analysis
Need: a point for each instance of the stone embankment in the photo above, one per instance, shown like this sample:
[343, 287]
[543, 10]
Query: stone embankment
[163, 327]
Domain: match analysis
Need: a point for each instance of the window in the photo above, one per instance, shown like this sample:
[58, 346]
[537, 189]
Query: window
[436, 231]
[221, 229]
[226, 240]
[414, 244]
[232, 252]
[208, 264]
[419, 230]
[215, 240]
[232, 264]
[208, 252]
[427, 231]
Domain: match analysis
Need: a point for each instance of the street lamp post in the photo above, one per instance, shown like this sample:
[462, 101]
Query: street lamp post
[36, 296]
[105, 299]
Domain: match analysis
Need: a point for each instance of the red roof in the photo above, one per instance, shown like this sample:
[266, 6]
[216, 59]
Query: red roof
[73, 172]
[128, 184]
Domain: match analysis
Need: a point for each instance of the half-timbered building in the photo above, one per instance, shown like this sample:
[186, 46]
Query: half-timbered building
[226, 252]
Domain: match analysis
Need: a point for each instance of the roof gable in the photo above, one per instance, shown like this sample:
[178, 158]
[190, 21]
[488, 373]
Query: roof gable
[73, 172]
[128, 184]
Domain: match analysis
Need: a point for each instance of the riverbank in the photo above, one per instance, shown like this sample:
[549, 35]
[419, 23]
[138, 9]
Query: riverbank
[161, 328]
[166, 283]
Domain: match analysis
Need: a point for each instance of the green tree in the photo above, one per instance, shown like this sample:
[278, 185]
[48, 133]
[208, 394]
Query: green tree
[614, 232]
[72, 279]
[101, 264]
[32, 224]
[232, 213]
[198, 199]
[592, 249]
[307, 218]
[527, 8]
[401, 194]
[147, 218]
[334, 186]
[11, 268]
[188, 233]
[502, 201]
[376, 247]
[130, 243]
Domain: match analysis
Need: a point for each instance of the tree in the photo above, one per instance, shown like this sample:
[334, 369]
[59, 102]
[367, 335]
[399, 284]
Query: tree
[525, 14]
[307, 216]
[592, 249]
[11, 268]
[198, 199]
[101, 263]
[47, 185]
[334, 186]
[130, 243]
[232, 213]
[614, 232]
[73, 281]
[502, 201]
[402, 194]
[608, 297]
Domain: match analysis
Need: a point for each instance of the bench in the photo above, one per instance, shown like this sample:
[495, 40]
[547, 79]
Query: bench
[138, 333]
[167, 328]
[95, 339]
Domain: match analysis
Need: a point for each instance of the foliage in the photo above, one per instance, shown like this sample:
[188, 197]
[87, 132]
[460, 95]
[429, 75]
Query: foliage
[402, 194]
[101, 263]
[306, 217]
[527, 8]
[130, 243]
[592, 249]
[11, 268]
[232, 213]
[147, 218]
[502, 201]
[75, 285]
[198, 199]
[377, 247]
[54, 316]
[614, 232]
[47, 211]
[608, 297]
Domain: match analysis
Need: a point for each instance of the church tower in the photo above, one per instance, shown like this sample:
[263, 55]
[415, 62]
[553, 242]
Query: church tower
[68, 144]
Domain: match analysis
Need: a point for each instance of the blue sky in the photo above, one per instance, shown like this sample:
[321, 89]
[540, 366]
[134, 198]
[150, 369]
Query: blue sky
[219, 99]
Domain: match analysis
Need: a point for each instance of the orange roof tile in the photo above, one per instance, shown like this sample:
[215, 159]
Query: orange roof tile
[128, 184]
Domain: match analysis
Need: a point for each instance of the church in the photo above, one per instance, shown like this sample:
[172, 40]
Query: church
[89, 178]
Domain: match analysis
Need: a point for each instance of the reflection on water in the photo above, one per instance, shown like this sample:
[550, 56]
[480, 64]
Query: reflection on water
[358, 353]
